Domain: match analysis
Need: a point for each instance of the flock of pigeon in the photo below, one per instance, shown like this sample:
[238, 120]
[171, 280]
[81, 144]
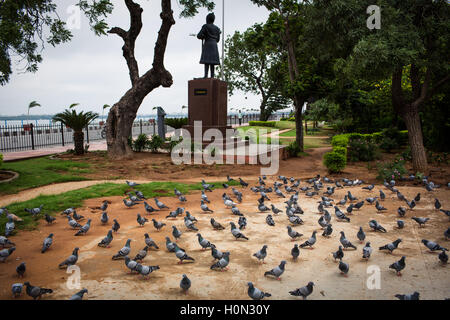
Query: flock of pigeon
[281, 188]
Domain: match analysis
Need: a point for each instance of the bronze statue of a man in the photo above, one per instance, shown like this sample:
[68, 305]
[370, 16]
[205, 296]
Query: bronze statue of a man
[210, 36]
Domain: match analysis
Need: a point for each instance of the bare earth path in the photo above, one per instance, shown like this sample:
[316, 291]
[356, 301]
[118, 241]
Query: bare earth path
[108, 279]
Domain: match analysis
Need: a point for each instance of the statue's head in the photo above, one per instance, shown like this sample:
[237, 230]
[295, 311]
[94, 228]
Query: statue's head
[210, 18]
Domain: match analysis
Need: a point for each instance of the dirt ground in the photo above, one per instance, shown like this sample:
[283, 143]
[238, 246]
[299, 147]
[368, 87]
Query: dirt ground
[108, 279]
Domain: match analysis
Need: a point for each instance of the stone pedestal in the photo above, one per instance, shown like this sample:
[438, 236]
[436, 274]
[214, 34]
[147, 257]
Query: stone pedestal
[207, 102]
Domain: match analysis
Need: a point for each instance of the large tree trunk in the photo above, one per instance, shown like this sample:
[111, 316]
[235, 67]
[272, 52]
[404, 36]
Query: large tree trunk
[78, 142]
[122, 114]
[299, 123]
[415, 137]
[410, 114]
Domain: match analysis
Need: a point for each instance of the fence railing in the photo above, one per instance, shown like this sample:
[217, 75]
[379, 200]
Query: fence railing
[32, 136]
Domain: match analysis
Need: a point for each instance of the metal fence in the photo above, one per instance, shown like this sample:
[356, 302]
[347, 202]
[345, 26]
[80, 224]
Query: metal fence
[31, 136]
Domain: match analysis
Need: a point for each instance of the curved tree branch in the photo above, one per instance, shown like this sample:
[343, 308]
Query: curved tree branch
[129, 38]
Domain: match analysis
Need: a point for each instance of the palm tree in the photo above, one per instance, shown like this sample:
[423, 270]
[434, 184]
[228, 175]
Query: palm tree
[77, 122]
[32, 104]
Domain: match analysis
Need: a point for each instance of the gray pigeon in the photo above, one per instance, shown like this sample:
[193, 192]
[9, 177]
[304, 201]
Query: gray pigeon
[295, 252]
[5, 242]
[141, 254]
[140, 195]
[9, 227]
[277, 271]
[367, 251]
[235, 211]
[216, 253]
[34, 211]
[400, 224]
[376, 226]
[203, 242]
[132, 183]
[443, 257]
[20, 269]
[255, 293]
[204, 207]
[176, 233]
[433, 246]
[116, 226]
[361, 235]
[270, 221]
[216, 225]
[16, 289]
[391, 246]
[160, 205]
[237, 234]
[5, 253]
[47, 243]
[36, 292]
[189, 224]
[146, 270]
[292, 233]
[71, 260]
[421, 221]
[222, 263]
[123, 252]
[149, 242]
[327, 231]
[413, 296]
[185, 283]
[344, 267]
[303, 291]
[310, 242]
[79, 295]
[170, 245]
[104, 205]
[345, 242]
[181, 254]
[149, 208]
[339, 254]
[158, 225]
[141, 220]
[130, 264]
[129, 203]
[105, 243]
[398, 265]
[84, 229]
[49, 218]
[104, 218]
[261, 254]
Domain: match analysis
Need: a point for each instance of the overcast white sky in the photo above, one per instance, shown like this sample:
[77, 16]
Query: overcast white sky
[91, 70]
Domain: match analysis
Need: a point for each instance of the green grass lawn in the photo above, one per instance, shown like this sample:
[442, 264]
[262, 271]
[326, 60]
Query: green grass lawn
[42, 171]
[55, 204]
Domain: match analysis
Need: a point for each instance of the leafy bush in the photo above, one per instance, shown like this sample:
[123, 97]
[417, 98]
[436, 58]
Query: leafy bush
[390, 139]
[262, 123]
[391, 170]
[1, 160]
[176, 123]
[293, 149]
[362, 149]
[334, 161]
[155, 143]
[140, 144]
[341, 150]
[340, 140]
[172, 143]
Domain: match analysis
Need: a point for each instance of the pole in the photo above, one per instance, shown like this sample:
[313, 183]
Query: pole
[62, 134]
[223, 37]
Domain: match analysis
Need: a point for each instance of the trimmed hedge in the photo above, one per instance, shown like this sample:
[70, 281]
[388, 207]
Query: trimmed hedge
[341, 150]
[176, 123]
[262, 123]
[335, 161]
